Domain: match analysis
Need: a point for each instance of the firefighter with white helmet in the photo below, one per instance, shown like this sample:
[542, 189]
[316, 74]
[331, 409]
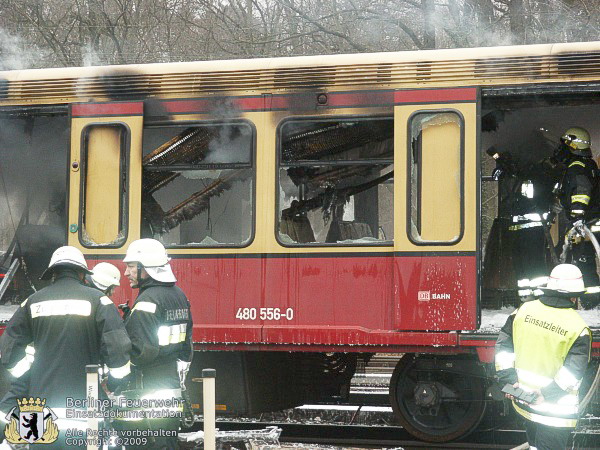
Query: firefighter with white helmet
[544, 348]
[106, 277]
[59, 330]
[160, 328]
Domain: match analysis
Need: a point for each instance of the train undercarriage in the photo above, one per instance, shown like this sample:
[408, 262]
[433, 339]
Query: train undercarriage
[437, 398]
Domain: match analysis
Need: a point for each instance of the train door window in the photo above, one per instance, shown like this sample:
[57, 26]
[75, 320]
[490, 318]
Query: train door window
[198, 183]
[104, 185]
[336, 181]
[435, 178]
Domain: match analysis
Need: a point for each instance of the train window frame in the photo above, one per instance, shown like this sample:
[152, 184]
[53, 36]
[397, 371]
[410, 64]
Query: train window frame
[124, 180]
[185, 167]
[409, 153]
[279, 164]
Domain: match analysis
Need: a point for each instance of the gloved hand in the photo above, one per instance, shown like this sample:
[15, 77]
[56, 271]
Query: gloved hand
[124, 307]
[556, 207]
[183, 368]
[577, 214]
[576, 238]
[497, 173]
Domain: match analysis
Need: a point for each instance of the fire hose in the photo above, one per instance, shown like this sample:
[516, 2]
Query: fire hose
[580, 229]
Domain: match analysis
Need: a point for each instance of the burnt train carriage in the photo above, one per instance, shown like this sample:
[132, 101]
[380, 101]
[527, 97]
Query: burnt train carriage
[316, 213]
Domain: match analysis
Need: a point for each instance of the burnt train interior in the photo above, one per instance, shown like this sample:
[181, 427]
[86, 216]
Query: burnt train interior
[34, 145]
[336, 181]
[197, 184]
[525, 126]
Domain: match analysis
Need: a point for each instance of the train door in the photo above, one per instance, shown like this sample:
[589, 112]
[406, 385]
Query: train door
[436, 245]
[105, 171]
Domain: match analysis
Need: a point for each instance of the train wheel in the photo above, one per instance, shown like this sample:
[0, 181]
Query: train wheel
[438, 399]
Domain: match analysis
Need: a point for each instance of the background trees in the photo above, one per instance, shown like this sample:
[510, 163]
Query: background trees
[46, 33]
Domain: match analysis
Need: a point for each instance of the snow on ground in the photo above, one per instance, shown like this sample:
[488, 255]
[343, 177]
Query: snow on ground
[591, 317]
[493, 319]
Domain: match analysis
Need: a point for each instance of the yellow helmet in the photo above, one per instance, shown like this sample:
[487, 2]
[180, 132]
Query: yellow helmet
[578, 140]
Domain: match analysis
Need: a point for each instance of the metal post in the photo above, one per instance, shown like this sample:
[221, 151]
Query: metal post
[91, 371]
[208, 393]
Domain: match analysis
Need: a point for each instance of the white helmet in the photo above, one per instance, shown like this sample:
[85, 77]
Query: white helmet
[566, 279]
[152, 255]
[105, 275]
[66, 256]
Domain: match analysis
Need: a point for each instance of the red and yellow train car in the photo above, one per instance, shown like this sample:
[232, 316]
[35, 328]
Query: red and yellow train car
[317, 209]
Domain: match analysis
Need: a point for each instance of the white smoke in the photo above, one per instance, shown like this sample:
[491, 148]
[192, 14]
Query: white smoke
[16, 54]
[90, 57]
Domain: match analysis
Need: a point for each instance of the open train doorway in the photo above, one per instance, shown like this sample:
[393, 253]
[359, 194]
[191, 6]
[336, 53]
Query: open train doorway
[522, 223]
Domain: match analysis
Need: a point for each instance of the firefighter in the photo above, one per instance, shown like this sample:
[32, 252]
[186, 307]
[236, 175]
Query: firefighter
[59, 330]
[544, 347]
[160, 328]
[580, 198]
[526, 191]
[105, 277]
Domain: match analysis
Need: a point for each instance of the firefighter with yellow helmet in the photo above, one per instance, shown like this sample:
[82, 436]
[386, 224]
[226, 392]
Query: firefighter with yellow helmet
[580, 186]
[580, 198]
[544, 348]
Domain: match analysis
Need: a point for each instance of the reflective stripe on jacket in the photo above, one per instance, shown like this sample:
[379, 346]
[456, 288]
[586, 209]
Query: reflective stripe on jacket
[59, 330]
[160, 328]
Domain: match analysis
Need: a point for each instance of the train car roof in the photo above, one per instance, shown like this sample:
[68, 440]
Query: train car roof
[237, 65]
[449, 67]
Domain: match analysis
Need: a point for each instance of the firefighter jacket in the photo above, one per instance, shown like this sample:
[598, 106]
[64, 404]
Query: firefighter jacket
[160, 328]
[581, 189]
[545, 345]
[59, 330]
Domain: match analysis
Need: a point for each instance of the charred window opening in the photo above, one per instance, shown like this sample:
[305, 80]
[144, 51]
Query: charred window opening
[522, 221]
[336, 181]
[104, 185]
[436, 178]
[197, 184]
[34, 146]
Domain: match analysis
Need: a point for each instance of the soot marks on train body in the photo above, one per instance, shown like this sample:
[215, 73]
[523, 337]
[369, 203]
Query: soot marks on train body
[118, 84]
[4, 85]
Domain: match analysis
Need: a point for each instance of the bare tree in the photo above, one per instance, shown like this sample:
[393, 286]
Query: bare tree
[43, 33]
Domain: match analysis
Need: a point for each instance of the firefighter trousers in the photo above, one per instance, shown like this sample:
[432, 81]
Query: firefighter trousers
[543, 437]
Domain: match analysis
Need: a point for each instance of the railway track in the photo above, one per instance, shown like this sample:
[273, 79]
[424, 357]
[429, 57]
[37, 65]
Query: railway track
[357, 436]
[311, 435]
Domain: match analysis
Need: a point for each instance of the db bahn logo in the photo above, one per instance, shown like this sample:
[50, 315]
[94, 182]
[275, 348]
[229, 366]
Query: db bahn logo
[425, 296]
[33, 424]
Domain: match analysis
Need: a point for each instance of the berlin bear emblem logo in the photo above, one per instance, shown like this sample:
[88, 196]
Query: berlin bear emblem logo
[33, 424]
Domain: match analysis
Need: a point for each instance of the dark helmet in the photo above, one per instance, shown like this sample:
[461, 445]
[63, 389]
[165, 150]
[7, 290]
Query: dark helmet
[578, 141]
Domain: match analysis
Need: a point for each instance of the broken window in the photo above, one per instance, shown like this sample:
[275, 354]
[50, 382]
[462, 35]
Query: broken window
[197, 184]
[436, 178]
[336, 181]
[104, 185]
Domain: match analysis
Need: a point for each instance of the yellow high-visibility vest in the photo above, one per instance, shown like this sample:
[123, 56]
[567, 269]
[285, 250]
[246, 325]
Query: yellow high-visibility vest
[542, 338]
